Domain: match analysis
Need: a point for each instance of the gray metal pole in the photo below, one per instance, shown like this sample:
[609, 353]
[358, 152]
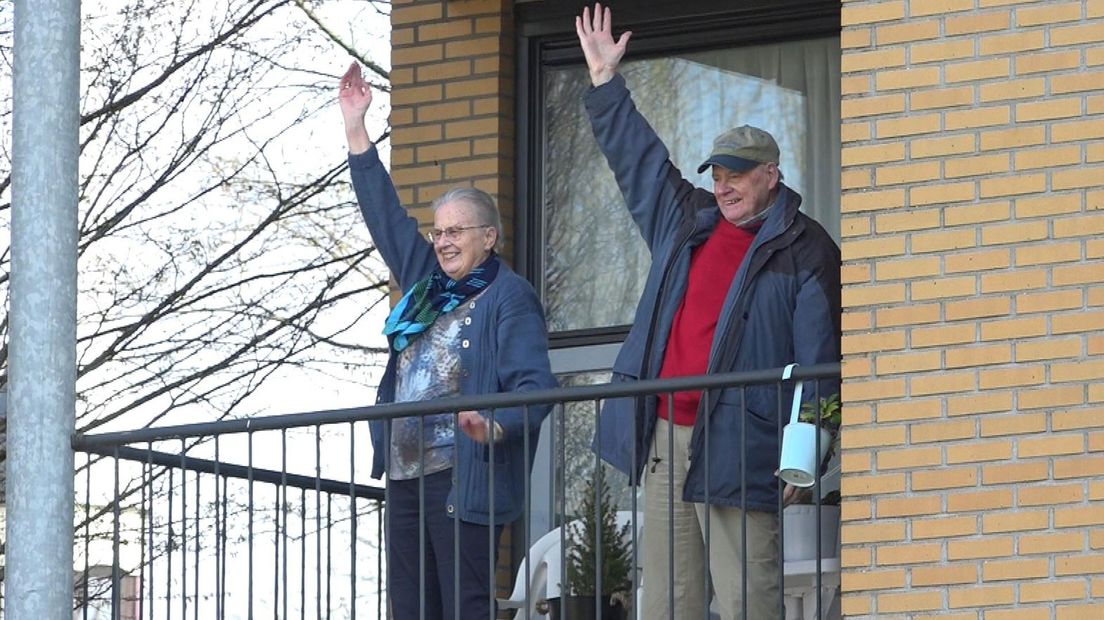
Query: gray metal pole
[43, 310]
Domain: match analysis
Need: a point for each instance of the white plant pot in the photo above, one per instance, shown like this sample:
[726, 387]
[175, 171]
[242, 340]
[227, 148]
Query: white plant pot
[798, 465]
[799, 523]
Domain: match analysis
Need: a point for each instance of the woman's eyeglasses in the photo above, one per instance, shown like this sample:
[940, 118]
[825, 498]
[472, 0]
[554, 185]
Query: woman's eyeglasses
[450, 234]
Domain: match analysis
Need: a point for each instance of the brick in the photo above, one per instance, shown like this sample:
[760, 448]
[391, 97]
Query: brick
[911, 125]
[851, 510]
[855, 38]
[944, 527]
[856, 581]
[852, 15]
[975, 23]
[911, 77]
[1079, 516]
[889, 507]
[873, 437]
[985, 402]
[941, 431]
[868, 296]
[981, 596]
[977, 165]
[1050, 13]
[979, 452]
[481, 46]
[1055, 108]
[1048, 205]
[1084, 176]
[1051, 445]
[911, 314]
[855, 85]
[402, 36]
[1008, 570]
[972, 262]
[880, 341]
[949, 574]
[1049, 397]
[942, 335]
[855, 178]
[854, 132]
[944, 383]
[873, 532]
[941, 194]
[1073, 323]
[881, 246]
[907, 362]
[969, 357]
[878, 153]
[977, 70]
[1050, 253]
[463, 8]
[906, 268]
[1076, 35]
[1079, 565]
[1014, 233]
[1012, 138]
[1015, 424]
[1018, 376]
[444, 70]
[415, 14]
[1012, 44]
[1021, 521]
[872, 200]
[943, 288]
[853, 62]
[1012, 186]
[898, 602]
[943, 478]
[979, 501]
[1079, 227]
[1051, 591]
[1013, 281]
[1083, 417]
[977, 117]
[1049, 301]
[415, 55]
[1044, 62]
[1013, 328]
[1077, 82]
[909, 410]
[1006, 90]
[909, 554]
[1006, 473]
[1051, 543]
[415, 175]
[1084, 467]
[1078, 371]
[943, 241]
[912, 219]
[872, 485]
[912, 30]
[1076, 131]
[873, 390]
[444, 30]
[978, 308]
[855, 605]
[988, 547]
[977, 213]
[942, 50]
[471, 128]
[1047, 158]
[907, 173]
[1020, 613]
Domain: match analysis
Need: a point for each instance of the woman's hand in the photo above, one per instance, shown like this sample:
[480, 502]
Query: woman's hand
[354, 97]
[477, 427]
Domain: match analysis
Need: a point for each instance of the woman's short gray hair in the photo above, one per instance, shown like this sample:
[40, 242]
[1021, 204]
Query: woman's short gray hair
[486, 211]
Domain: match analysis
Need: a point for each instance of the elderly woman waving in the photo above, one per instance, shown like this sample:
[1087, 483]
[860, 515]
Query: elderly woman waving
[466, 324]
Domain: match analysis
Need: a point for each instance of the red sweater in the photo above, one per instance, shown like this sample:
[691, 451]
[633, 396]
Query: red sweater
[713, 265]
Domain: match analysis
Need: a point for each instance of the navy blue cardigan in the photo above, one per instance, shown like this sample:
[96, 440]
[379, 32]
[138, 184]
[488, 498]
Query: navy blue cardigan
[508, 352]
[783, 307]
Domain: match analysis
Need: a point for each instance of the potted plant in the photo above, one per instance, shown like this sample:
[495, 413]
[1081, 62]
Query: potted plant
[579, 597]
[800, 517]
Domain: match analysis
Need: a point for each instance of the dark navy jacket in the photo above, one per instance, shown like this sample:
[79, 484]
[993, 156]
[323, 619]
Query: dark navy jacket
[783, 307]
[507, 351]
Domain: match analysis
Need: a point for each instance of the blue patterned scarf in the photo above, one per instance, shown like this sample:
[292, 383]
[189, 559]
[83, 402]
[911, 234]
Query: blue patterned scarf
[432, 297]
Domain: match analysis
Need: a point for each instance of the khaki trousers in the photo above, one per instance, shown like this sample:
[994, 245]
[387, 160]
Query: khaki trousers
[726, 554]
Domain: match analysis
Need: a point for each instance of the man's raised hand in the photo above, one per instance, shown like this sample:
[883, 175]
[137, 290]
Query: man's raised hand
[354, 96]
[596, 38]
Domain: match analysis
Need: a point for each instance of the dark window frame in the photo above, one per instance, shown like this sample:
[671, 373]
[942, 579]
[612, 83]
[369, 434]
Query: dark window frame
[546, 38]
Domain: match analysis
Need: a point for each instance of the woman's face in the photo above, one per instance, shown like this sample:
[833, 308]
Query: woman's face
[465, 242]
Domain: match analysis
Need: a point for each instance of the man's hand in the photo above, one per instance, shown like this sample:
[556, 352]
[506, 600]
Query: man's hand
[477, 427]
[596, 39]
[354, 97]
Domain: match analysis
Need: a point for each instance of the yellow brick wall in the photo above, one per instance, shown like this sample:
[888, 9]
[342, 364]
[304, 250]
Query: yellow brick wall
[452, 99]
[973, 239]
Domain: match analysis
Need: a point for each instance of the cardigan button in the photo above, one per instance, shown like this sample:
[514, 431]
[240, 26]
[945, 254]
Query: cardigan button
[465, 343]
[450, 509]
[467, 320]
[472, 305]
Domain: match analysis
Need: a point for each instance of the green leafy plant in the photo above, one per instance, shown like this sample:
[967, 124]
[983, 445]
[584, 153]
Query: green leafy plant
[828, 409]
[582, 556]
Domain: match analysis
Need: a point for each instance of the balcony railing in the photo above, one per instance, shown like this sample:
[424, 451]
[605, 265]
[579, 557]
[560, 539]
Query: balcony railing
[275, 516]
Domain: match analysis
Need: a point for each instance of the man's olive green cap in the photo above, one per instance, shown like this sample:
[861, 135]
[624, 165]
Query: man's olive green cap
[742, 148]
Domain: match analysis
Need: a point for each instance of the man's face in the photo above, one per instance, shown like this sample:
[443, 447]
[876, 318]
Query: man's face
[466, 242]
[742, 195]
